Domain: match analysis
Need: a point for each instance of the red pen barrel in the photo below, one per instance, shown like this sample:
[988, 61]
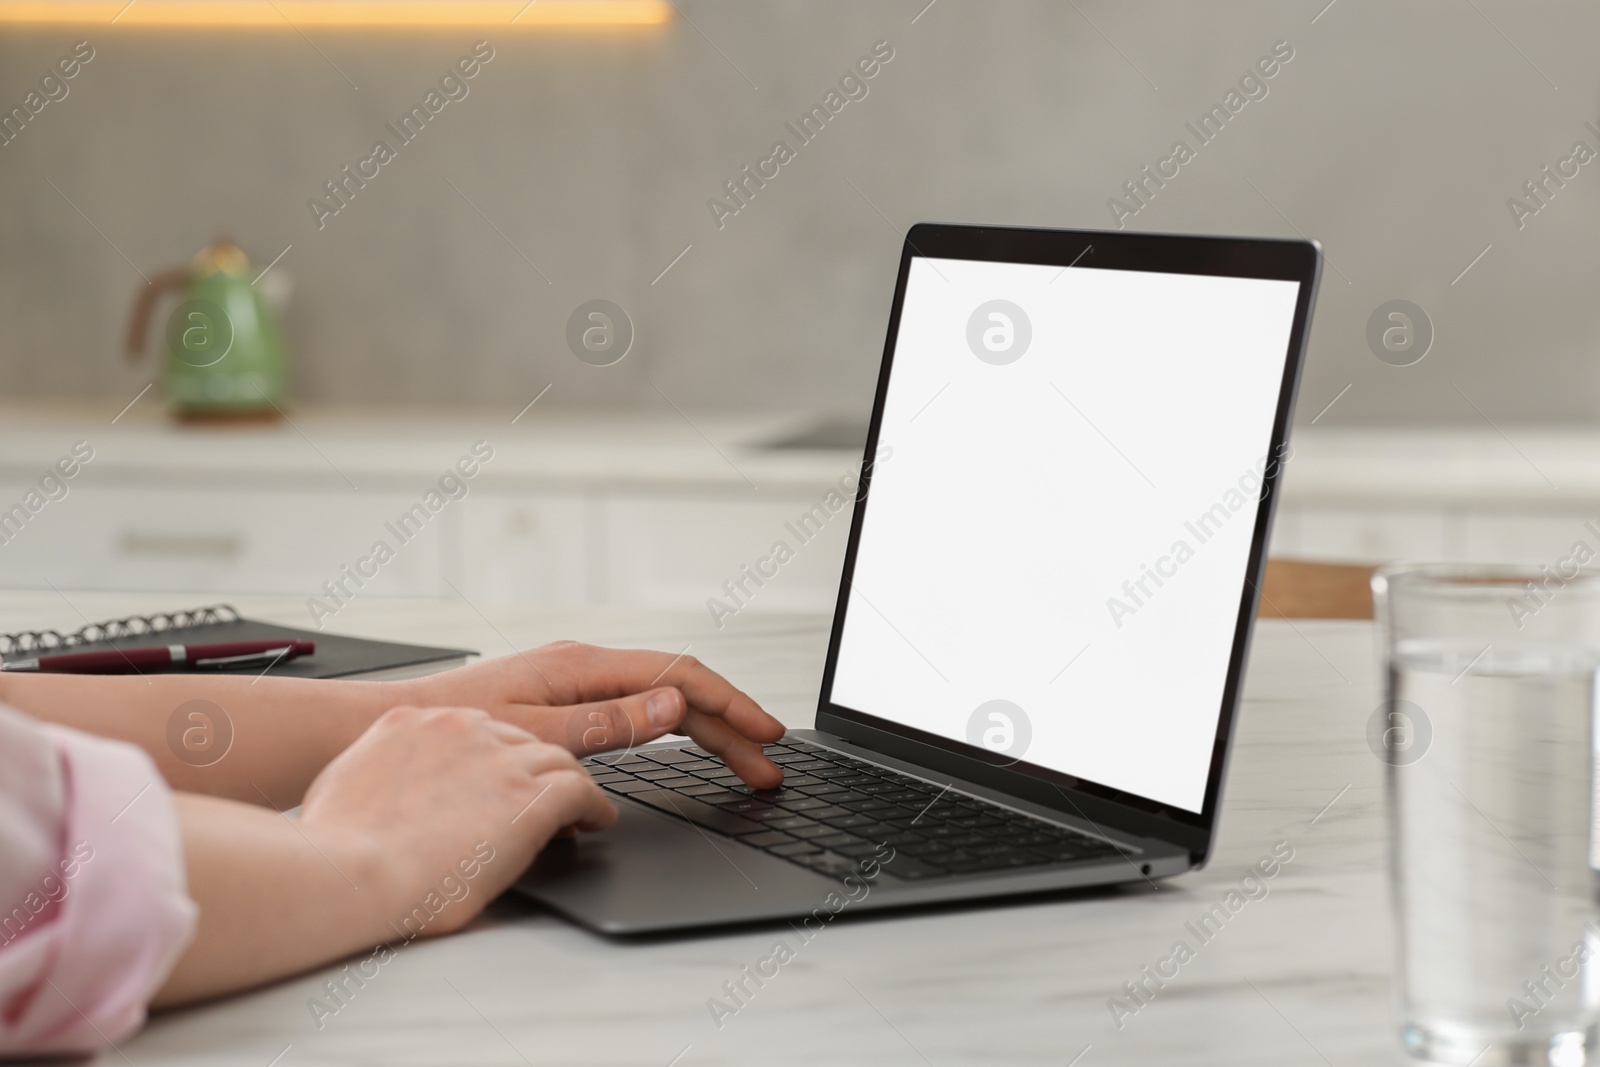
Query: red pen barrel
[137, 660]
[112, 662]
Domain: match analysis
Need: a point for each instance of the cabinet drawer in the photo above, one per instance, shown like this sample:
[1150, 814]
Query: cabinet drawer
[529, 549]
[1285, 532]
[1506, 537]
[1363, 535]
[223, 542]
[681, 552]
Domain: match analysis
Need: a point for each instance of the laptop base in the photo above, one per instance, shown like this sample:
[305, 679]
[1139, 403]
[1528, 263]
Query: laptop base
[655, 872]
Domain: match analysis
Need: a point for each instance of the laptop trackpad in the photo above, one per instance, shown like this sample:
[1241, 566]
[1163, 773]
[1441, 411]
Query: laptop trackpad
[651, 871]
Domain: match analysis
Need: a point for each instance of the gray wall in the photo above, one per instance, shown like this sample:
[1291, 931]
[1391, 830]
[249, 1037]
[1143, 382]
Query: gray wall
[1395, 136]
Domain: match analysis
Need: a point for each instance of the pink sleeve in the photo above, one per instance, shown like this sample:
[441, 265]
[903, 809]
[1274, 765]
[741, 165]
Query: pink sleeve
[93, 906]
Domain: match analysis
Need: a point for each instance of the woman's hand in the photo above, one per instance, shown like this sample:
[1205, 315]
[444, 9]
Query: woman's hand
[590, 699]
[424, 787]
[410, 832]
[284, 731]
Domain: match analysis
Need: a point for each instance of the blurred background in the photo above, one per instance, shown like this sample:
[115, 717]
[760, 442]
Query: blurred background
[581, 162]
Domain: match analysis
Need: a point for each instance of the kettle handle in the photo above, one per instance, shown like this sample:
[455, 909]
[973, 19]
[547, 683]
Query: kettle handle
[145, 303]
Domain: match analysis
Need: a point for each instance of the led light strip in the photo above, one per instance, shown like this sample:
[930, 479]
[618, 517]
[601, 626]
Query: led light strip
[363, 13]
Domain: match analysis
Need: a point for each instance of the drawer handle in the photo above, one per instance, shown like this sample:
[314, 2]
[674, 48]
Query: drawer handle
[177, 545]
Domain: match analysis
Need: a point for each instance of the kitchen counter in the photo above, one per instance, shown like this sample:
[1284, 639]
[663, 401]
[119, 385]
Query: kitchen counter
[650, 508]
[655, 447]
[1521, 465]
[654, 507]
[392, 448]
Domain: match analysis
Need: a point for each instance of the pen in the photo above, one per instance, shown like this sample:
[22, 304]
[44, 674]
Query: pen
[128, 661]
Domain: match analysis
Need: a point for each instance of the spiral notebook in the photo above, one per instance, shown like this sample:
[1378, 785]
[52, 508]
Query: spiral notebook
[336, 656]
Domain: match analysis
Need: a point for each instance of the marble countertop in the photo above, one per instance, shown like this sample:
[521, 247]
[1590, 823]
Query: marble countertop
[1298, 976]
[665, 447]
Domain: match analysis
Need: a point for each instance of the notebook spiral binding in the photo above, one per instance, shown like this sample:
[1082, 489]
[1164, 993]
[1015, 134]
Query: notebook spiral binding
[116, 629]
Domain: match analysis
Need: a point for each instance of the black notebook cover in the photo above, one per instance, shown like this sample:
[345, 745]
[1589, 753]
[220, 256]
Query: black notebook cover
[336, 656]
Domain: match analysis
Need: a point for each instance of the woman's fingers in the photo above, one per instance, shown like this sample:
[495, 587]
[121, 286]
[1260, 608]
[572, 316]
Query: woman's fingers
[743, 756]
[624, 722]
[628, 722]
[600, 673]
[563, 798]
[603, 699]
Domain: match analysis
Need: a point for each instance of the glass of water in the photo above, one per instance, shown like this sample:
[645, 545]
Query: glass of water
[1488, 733]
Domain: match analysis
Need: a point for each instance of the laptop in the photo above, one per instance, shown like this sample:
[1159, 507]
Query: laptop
[1040, 636]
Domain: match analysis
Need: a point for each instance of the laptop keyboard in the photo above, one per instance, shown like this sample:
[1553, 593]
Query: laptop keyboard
[834, 810]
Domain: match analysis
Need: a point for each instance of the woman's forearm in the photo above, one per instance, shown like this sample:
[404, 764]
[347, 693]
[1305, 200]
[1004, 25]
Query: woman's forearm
[409, 832]
[261, 741]
[275, 898]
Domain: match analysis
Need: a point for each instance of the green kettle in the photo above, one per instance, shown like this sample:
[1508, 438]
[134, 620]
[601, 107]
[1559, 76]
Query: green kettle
[224, 356]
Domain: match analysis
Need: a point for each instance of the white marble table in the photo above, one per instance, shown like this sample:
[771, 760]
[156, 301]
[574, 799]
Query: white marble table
[1300, 976]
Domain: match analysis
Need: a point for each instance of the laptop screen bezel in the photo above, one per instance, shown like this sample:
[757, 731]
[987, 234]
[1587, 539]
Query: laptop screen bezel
[1268, 258]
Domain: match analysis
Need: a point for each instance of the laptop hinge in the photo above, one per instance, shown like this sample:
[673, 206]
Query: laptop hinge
[1071, 802]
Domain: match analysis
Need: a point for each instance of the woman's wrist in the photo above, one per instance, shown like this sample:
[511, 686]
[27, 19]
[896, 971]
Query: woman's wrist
[353, 705]
[378, 874]
[394, 693]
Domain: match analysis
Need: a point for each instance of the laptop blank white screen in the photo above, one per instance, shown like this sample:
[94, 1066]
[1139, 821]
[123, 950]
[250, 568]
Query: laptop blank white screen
[1055, 544]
